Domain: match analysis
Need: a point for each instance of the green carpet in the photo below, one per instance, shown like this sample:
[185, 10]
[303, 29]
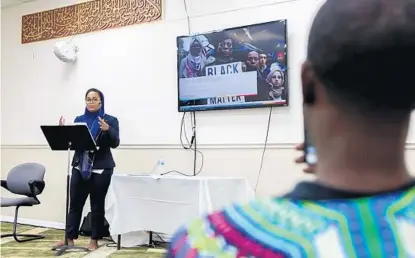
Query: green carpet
[42, 247]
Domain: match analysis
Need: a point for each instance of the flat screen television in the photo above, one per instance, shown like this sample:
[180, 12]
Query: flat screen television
[241, 67]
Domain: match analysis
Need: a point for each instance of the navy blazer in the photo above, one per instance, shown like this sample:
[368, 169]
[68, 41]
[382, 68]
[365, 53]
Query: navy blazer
[106, 140]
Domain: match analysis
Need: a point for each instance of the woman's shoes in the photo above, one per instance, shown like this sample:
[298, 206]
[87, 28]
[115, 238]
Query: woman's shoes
[61, 243]
[93, 245]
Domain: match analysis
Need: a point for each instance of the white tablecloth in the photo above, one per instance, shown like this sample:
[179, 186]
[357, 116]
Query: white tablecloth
[136, 203]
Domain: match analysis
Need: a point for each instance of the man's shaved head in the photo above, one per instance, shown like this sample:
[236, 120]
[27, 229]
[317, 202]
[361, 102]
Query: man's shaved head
[363, 52]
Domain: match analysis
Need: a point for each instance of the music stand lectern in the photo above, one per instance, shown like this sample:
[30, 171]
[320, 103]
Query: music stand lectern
[67, 138]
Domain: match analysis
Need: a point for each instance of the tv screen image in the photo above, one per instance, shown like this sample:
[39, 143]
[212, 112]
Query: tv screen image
[242, 67]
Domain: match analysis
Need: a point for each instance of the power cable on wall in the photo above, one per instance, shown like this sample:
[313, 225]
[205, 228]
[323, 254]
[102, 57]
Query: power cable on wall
[264, 149]
[187, 16]
[192, 144]
[189, 144]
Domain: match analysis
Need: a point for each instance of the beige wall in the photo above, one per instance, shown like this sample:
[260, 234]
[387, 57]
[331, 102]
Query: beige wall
[279, 172]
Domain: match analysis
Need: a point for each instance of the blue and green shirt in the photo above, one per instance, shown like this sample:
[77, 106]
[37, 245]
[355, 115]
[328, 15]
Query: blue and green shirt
[329, 224]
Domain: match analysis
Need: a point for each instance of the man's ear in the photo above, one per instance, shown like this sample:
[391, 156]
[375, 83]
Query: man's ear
[308, 83]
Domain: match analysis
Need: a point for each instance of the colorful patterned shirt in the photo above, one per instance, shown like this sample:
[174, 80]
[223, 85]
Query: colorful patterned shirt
[381, 226]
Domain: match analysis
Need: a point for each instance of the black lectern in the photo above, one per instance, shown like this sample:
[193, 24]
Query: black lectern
[67, 138]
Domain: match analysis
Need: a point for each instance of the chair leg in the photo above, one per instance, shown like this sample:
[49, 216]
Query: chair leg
[26, 237]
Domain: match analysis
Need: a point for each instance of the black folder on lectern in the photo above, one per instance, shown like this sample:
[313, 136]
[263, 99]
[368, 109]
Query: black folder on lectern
[63, 137]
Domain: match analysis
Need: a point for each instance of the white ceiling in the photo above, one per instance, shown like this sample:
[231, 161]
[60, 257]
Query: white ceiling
[5, 3]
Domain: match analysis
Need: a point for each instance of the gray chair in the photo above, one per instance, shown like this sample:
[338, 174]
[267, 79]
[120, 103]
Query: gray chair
[24, 179]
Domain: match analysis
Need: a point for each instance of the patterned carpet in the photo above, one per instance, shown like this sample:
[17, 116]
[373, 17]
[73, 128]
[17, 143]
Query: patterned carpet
[42, 248]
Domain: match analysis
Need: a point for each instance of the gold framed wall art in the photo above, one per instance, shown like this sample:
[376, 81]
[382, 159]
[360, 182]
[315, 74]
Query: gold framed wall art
[88, 17]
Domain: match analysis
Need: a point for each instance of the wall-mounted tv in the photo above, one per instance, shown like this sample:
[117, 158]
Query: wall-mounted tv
[242, 67]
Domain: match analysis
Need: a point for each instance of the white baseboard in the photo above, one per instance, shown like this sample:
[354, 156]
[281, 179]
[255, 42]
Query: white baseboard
[167, 146]
[34, 222]
[230, 146]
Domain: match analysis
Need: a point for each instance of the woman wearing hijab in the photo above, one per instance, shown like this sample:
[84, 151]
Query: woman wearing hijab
[92, 172]
[276, 81]
[194, 63]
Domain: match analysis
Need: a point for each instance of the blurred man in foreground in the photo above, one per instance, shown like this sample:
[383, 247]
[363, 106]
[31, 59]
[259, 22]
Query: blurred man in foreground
[358, 96]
